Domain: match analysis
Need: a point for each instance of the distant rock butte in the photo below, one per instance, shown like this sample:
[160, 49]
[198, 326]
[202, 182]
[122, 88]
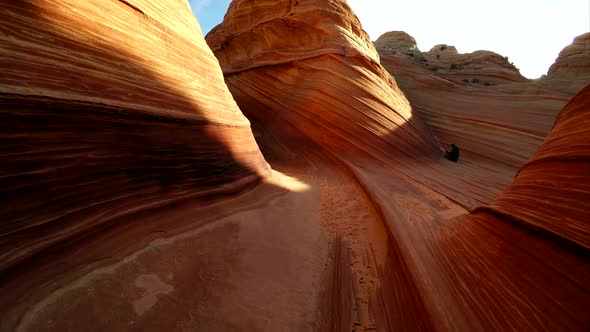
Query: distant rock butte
[135, 196]
[574, 58]
[396, 40]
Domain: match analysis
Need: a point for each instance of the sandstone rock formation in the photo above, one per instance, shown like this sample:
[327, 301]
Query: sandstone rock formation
[87, 102]
[570, 71]
[479, 100]
[136, 197]
[574, 57]
[330, 57]
[555, 176]
[120, 146]
[330, 44]
[289, 101]
[527, 253]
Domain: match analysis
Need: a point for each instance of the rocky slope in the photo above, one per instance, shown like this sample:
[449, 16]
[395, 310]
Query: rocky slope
[306, 110]
[99, 106]
[136, 197]
[330, 45]
[325, 85]
[120, 147]
[479, 100]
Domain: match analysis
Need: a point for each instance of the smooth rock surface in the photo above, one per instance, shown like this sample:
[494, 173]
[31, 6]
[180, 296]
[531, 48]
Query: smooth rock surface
[326, 83]
[440, 268]
[136, 197]
[479, 101]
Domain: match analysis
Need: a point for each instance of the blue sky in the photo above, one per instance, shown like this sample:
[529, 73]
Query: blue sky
[209, 12]
[530, 32]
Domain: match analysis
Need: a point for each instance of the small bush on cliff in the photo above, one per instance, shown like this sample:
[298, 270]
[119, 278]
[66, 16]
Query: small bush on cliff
[466, 80]
[434, 69]
[475, 80]
[438, 56]
[444, 47]
[487, 84]
[454, 66]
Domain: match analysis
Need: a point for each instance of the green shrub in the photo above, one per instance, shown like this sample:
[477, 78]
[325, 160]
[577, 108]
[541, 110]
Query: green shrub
[466, 80]
[475, 80]
[454, 66]
[438, 56]
[487, 84]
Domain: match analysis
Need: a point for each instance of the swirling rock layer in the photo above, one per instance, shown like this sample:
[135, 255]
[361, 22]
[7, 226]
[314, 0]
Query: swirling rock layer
[479, 100]
[98, 124]
[557, 175]
[137, 199]
[330, 45]
[332, 90]
[434, 271]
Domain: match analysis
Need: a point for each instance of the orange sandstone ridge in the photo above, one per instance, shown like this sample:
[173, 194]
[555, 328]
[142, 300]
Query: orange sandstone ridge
[137, 198]
[480, 100]
[324, 85]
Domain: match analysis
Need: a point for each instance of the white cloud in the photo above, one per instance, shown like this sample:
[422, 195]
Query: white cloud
[530, 32]
[198, 5]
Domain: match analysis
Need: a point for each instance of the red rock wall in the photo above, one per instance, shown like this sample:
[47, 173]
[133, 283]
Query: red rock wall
[479, 100]
[109, 108]
[445, 270]
[113, 108]
[551, 192]
[307, 72]
[531, 271]
[309, 64]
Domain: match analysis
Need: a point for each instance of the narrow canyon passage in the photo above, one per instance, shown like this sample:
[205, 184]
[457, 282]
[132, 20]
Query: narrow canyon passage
[274, 177]
[201, 266]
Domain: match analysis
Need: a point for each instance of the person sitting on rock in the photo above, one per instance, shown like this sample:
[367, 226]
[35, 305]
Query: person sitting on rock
[452, 155]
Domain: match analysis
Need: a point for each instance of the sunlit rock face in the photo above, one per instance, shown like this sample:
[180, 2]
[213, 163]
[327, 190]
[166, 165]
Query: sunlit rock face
[479, 100]
[439, 268]
[324, 79]
[551, 191]
[526, 253]
[570, 71]
[136, 197]
[324, 83]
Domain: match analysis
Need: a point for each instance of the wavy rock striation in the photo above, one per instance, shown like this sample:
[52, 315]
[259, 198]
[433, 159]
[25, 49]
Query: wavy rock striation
[97, 123]
[556, 175]
[120, 146]
[479, 100]
[520, 263]
[136, 197]
[329, 44]
[325, 84]
[434, 271]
